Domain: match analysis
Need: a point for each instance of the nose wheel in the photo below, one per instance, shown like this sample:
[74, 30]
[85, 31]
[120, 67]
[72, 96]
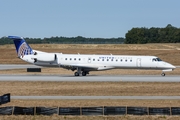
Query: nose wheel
[163, 74]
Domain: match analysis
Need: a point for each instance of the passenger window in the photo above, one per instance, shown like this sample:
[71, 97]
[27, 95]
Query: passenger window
[116, 60]
[107, 59]
[65, 58]
[126, 60]
[70, 58]
[102, 59]
[79, 59]
[93, 59]
[111, 59]
[74, 58]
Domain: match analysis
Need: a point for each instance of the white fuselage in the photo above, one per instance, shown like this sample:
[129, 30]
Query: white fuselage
[97, 62]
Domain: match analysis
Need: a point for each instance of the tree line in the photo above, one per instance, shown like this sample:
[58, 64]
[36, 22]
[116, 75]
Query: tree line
[67, 40]
[169, 34]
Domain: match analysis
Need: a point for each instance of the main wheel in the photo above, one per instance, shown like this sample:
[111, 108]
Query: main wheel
[76, 74]
[84, 73]
[163, 74]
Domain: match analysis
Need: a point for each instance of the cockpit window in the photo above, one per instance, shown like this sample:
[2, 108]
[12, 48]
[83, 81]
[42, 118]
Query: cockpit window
[156, 59]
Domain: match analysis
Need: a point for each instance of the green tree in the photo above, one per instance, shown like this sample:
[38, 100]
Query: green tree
[169, 34]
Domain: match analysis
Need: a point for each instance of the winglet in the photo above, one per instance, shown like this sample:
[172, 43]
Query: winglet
[22, 48]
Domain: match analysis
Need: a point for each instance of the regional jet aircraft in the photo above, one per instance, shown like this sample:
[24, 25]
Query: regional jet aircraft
[82, 64]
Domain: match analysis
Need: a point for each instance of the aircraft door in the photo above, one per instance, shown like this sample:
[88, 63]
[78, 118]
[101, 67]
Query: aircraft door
[138, 62]
[89, 60]
[155, 62]
[56, 59]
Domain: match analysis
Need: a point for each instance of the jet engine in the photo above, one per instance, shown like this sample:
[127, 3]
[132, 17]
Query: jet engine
[44, 57]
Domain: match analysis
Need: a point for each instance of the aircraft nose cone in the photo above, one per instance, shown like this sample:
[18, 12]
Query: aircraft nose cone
[171, 66]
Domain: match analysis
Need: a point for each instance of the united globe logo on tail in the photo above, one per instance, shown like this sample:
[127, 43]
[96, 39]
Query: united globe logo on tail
[24, 49]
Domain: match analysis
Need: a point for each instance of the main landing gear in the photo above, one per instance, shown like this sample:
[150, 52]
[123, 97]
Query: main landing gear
[80, 72]
[83, 73]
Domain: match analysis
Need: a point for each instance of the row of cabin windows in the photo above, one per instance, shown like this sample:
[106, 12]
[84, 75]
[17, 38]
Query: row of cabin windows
[99, 59]
[112, 60]
[74, 59]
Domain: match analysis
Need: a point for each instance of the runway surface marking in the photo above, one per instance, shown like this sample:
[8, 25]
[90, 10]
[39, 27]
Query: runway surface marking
[96, 97]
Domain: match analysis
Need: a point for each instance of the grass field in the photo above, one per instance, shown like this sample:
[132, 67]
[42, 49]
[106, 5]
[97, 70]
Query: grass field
[90, 88]
[167, 52]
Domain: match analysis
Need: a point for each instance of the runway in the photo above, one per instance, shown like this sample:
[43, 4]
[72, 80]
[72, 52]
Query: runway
[91, 78]
[16, 66]
[96, 97]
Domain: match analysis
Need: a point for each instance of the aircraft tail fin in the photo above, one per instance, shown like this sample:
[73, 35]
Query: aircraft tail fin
[22, 48]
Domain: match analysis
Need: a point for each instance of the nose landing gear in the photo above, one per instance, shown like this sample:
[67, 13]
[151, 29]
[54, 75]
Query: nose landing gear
[76, 74]
[163, 74]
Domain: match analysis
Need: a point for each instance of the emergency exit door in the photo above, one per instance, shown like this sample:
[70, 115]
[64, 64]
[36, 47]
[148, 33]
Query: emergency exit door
[138, 62]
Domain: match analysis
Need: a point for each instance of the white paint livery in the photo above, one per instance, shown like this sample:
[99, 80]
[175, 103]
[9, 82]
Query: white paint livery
[84, 63]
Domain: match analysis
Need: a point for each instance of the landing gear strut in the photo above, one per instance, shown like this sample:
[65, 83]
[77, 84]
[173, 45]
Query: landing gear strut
[78, 72]
[163, 74]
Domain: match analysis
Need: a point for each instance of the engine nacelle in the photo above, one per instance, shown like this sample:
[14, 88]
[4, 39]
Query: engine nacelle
[45, 57]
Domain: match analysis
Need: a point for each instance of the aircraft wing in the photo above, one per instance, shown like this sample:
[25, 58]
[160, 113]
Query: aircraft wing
[82, 66]
[86, 67]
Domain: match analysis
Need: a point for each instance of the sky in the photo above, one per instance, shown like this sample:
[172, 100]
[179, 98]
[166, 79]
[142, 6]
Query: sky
[87, 18]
